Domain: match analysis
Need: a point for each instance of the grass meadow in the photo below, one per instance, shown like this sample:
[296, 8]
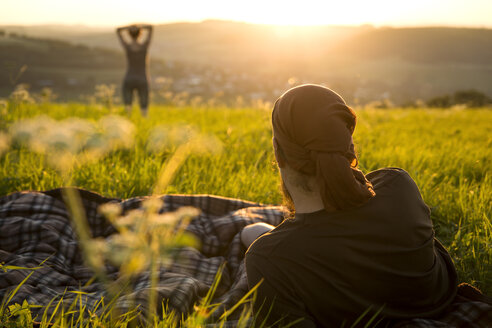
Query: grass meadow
[447, 152]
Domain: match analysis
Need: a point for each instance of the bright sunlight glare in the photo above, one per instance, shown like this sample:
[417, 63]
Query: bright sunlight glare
[286, 12]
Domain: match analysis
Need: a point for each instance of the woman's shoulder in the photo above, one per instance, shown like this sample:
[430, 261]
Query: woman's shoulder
[395, 183]
[392, 180]
[388, 175]
[278, 240]
[387, 172]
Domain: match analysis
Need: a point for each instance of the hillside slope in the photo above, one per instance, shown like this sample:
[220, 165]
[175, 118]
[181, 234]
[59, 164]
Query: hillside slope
[364, 63]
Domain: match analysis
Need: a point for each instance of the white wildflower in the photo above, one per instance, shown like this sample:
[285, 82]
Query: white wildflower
[118, 131]
[130, 220]
[110, 210]
[152, 204]
[172, 218]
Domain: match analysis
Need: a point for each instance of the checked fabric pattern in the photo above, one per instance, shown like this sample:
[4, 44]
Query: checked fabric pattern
[35, 227]
[470, 309]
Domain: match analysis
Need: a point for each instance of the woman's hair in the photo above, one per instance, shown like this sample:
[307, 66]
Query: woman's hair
[287, 200]
[312, 128]
[134, 31]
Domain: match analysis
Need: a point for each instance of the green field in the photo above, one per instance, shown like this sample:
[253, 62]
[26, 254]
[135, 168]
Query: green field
[447, 152]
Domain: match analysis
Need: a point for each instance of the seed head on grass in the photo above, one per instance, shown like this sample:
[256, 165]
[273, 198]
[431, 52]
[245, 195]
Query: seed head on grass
[131, 249]
[3, 107]
[118, 132]
[4, 143]
[21, 94]
[73, 141]
[145, 241]
[104, 93]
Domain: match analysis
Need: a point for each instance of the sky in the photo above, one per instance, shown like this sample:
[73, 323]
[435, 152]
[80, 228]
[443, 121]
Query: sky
[473, 13]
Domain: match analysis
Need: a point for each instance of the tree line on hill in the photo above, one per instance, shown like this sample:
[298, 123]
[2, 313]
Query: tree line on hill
[469, 98]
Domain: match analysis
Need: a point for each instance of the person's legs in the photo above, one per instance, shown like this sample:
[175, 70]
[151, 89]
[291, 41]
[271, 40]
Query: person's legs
[127, 95]
[143, 97]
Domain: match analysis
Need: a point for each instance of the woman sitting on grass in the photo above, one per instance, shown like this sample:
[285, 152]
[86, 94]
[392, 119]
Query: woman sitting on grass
[358, 244]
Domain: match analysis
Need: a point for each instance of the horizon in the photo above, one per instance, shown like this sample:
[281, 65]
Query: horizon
[376, 26]
[378, 13]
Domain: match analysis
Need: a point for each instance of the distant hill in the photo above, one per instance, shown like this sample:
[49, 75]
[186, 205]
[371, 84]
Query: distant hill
[423, 45]
[236, 42]
[208, 42]
[68, 68]
[363, 62]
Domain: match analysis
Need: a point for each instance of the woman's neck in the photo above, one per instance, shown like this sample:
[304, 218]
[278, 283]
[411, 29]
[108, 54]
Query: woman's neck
[305, 201]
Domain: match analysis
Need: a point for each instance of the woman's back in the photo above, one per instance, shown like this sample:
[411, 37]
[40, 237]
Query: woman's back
[334, 266]
[137, 61]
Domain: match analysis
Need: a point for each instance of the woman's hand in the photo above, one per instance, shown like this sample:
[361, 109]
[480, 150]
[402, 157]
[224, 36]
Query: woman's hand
[251, 232]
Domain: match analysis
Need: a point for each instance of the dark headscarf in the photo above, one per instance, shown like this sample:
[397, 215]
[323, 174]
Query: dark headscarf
[312, 129]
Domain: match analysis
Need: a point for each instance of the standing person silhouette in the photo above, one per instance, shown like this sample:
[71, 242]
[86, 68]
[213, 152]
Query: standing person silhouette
[137, 77]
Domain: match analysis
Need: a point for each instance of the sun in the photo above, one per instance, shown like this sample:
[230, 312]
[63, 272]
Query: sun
[309, 12]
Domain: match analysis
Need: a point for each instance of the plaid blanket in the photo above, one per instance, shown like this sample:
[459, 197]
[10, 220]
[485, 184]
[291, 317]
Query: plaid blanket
[35, 227]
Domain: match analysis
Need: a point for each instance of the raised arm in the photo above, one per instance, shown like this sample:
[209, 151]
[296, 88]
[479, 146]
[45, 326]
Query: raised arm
[149, 29]
[119, 30]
